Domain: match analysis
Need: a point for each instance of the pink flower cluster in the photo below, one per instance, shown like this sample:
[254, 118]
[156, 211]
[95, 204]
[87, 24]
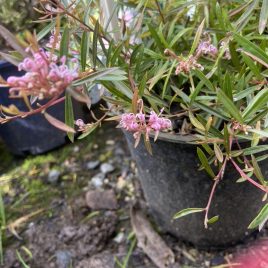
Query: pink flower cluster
[139, 124]
[206, 48]
[44, 76]
[185, 66]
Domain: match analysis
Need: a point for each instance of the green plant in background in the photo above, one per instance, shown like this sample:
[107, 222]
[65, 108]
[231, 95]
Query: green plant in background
[16, 15]
[196, 69]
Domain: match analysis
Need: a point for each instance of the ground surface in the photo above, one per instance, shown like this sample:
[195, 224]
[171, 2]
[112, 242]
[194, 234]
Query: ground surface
[55, 218]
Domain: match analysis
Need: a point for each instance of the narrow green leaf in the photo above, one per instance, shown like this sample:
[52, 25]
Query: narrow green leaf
[187, 211]
[197, 37]
[251, 47]
[69, 115]
[263, 16]
[95, 44]
[168, 78]
[261, 217]
[230, 106]
[84, 49]
[262, 133]
[227, 86]
[46, 30]
[211, 110]
[256, 103]
[204, 161]
[64, 44]
[155, 37]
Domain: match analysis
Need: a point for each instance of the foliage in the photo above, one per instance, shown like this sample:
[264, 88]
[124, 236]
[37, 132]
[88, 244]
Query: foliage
[202, 65]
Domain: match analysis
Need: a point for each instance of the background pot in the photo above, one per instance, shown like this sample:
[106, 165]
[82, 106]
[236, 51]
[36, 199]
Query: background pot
[32, 135]
[171, 181]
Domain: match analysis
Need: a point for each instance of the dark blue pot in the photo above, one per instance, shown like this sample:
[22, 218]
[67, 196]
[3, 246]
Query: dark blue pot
[31, 135]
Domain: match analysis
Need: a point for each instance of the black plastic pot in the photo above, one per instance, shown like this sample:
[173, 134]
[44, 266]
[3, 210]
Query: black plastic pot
[171, 182]
[31, 135]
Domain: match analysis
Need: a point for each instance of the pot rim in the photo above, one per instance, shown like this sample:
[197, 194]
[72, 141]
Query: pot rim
[175, 138]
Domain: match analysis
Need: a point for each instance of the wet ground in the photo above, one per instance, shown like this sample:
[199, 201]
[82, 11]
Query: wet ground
[71, 208]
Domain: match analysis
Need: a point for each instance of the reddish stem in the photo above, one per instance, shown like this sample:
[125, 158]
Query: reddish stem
[217, 179]
[42, 108]
[245, 176]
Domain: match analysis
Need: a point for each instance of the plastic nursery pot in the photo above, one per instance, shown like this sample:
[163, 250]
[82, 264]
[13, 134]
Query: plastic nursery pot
[31, 135]
[171, 182]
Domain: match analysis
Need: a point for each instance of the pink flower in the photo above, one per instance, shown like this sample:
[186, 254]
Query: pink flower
[51, 42]
[138, 124]
[206, 48]
[44, 76]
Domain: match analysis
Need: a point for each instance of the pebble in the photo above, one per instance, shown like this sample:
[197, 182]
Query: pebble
[107, 168]
[101, 200]
[64, 258]
[97, 180]
[53, 176]
[92, 164]
[119, 238]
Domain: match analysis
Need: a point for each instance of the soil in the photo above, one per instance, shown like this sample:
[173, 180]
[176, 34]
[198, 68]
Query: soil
[54, 219]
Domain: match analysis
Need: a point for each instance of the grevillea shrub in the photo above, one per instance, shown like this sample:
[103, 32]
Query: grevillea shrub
[180, 67]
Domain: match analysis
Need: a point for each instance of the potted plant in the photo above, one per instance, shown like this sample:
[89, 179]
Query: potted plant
[192, 77]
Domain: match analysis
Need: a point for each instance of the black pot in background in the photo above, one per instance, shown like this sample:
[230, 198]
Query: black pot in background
[32, 135]
[171, 182]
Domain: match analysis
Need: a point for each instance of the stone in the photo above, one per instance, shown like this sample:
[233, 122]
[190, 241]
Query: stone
[107, 168]
[92, 164]
[53, 176]
[63, 258]
[97, 180]
[97, 200]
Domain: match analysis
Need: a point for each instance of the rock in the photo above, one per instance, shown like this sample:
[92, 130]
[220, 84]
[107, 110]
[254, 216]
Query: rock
[101, 200]
[101, 260]
[92, 164]
[53, 176]
[97, 180]
[119, 238]
[63, 258]
[107, 168]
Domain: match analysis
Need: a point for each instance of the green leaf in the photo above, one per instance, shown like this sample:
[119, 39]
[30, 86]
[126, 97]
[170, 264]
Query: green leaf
[46, 30]
[101, 74]
[246, 15]
[197, 37]
[195, 122]
[251, 48]
[230, 106]
[256, 103]
[203, 81]
[69, 115]
[227, 86]
[263, 16]
[155, 37]
[84, 49]
[204, 161]
[261, 218]
[187, 211]
[211, 110]
[64, 44]
[89, 131]
[262, 133]
[95, 44]
[167, 80]
[213, 219]
[218, 152]
[180, 34]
